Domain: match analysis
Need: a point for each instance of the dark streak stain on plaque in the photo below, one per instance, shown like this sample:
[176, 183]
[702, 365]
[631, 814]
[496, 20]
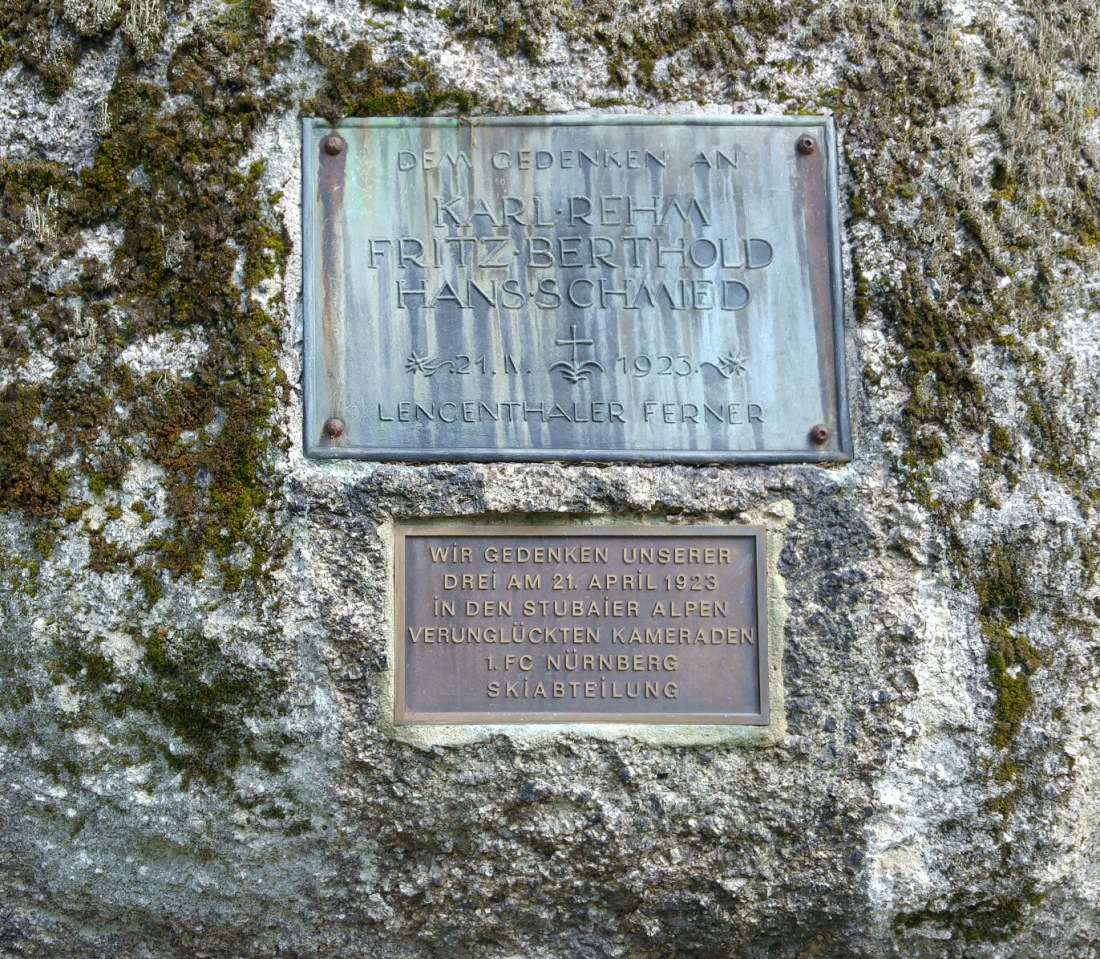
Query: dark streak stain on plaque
[580, 624]
[593, 288]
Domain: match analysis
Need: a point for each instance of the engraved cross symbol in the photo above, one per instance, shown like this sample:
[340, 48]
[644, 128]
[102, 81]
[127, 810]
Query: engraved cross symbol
[573, 371]
[574, 343]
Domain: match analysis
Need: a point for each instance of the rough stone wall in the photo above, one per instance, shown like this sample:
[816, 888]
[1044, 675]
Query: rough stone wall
[194, 756]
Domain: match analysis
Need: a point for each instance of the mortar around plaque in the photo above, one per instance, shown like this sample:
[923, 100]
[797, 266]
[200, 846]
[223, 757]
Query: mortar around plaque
[585, 288]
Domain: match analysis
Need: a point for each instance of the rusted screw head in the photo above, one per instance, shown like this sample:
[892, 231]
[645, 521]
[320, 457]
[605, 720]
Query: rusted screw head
[335, 427]
[820, 434]
[334, 145]
[806, 145]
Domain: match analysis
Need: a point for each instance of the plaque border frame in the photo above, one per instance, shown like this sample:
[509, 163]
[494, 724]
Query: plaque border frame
[319, 446]
[401, 716]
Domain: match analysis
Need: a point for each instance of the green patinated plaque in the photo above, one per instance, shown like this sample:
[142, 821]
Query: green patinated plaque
[635, 288]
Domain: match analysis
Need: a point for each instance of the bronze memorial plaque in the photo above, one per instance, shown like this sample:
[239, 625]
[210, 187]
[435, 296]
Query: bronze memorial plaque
[581, 624]
[575, 288]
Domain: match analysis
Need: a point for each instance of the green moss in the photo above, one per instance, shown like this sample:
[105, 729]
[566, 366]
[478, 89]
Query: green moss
[72, 513]
[199, 235]
[396, 6]
[601, 102]
[709, 34]
[990, 920]
[105, 554]
[1055, 445]
[1011, 661]
[1009, 776]
[952, 298]
[200, 239]
[718, 38]
[1000, 440]
[90, 668]
[1001, 454]
[49, 36]
[207, 699]
[978, 284]
[1003, 601]
[28, 479]
[355, 85]
[29, 32]
[940, 350]
[218, 483]
[150, 581]
[139, 509]
[512, 27]
[1003, 595]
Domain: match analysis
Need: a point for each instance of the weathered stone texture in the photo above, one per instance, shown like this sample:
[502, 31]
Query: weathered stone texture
[194, 751]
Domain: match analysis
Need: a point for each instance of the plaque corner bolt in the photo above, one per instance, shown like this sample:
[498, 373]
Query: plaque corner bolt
[806, 145]
[820, 434]
[335, 428]
[333, 144]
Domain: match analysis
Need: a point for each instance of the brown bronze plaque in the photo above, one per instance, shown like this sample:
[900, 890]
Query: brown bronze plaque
[581, 624]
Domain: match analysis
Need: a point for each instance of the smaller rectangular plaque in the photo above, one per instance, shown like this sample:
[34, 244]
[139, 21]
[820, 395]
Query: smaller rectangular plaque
[581, 624]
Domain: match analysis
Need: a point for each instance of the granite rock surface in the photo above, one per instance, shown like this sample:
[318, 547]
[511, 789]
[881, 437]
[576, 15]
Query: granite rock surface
[196, 756]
